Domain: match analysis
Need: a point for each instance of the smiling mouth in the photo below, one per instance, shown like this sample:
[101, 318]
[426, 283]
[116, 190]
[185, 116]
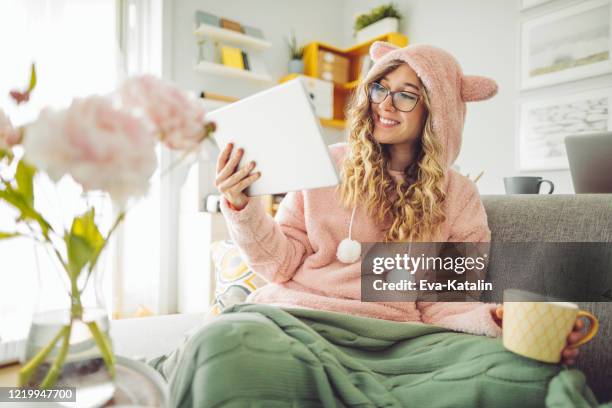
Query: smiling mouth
[385, 123]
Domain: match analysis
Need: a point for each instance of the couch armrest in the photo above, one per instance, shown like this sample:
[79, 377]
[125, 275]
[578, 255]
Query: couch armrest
[148, 337]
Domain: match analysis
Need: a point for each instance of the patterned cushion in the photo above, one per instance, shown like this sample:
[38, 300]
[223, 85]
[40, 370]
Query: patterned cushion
[234, 281]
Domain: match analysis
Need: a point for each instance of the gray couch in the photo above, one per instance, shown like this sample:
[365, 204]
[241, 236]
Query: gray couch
[559, 218]
[520, 218]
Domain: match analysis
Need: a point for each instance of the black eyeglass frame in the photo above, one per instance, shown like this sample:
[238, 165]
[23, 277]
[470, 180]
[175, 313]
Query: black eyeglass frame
[389, 92]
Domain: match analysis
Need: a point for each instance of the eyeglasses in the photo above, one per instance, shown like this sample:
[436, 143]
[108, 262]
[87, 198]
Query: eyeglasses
[402, 101]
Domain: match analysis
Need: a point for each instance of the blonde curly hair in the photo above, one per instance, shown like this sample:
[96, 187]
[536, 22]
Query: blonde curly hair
[414, 205]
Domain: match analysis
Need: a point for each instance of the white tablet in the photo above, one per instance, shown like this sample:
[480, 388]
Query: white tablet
[280, 131]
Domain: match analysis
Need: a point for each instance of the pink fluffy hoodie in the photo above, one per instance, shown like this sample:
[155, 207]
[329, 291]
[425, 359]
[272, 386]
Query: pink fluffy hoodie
[296, 251]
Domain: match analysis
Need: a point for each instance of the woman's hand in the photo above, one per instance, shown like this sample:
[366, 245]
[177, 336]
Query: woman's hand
[231, 182]
[570, 352]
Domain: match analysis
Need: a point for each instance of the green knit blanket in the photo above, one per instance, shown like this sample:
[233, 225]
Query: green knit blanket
[265, 356]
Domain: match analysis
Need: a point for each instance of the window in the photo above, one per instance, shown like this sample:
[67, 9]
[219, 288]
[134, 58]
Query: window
[138, 287]
[74, 46]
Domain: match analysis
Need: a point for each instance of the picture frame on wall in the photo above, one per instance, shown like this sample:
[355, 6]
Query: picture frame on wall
[544, 124]
[572, 43]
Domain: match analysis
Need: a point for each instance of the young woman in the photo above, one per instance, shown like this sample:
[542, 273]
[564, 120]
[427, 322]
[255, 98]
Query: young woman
[404, 133]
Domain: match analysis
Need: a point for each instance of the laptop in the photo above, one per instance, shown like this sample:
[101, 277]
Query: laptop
[590, 160]
[278, 129]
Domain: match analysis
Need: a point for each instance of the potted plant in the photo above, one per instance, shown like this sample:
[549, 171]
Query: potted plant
[296, 65]
[103, 146]
[378, 21]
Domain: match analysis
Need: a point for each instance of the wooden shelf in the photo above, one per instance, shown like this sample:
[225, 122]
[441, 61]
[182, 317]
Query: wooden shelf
[223, 34]
[347, 86]
[205, 67]
[333, 123]
[289, 77]
[342, 91]
[354, 54]
[330, 123]
[362, 48]
[350, 85]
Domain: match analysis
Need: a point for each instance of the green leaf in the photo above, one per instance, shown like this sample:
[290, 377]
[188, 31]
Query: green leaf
[6, 154]
[79, 253]
[25, 182]
[16, 199]
[84, 242]
[8, 235]
[86, 227]
[32, 84]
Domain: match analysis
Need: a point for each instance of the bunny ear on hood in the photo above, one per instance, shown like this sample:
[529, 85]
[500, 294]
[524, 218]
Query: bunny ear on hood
[447, 88]
[380, 48]
[477, 88]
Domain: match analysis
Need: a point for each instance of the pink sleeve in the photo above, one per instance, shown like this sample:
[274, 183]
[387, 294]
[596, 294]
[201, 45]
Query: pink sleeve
[469, 317]
[470, 224]
[274, 249]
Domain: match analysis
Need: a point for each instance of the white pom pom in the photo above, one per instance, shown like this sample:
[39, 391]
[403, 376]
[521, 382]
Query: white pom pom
[348, 251]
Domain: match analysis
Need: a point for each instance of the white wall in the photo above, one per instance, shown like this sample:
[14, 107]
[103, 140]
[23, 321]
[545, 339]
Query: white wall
[483, 35]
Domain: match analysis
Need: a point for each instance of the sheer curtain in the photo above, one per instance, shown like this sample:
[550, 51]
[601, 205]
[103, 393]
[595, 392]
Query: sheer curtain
[137, 284]
[73, 43]
[80, 48]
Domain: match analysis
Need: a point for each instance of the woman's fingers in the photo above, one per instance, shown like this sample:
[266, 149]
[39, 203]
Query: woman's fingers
[247, 181]
[223, 157]
[576, 333]
[499, 312]
[497, 315]
[579, 325]
[230, 166]
[569, 355]
[229, 183]
[574, 337]
[569, 352]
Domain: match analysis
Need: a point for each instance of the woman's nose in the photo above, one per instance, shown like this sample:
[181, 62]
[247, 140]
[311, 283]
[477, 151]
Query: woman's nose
[387, 104]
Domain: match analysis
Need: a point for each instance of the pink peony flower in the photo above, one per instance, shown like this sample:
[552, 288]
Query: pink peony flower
[9, 136]
[100, 146]
[178, 116]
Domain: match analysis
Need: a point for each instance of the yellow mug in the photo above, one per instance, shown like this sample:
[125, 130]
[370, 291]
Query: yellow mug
[539, 330]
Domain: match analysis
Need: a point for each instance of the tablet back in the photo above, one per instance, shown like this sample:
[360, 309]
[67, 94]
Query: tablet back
[280, 131]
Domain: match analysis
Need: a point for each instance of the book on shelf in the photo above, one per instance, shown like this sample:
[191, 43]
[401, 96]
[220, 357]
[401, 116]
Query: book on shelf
[232, 57]
[253, 31]
[231, 25]
[245, 61]
[217, 97]
[202, 17]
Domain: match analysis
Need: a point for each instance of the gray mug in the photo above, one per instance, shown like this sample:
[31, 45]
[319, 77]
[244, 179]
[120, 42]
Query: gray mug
[526, 185]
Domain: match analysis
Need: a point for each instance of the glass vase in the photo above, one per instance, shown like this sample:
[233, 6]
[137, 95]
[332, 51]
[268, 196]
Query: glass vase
[68, 344]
